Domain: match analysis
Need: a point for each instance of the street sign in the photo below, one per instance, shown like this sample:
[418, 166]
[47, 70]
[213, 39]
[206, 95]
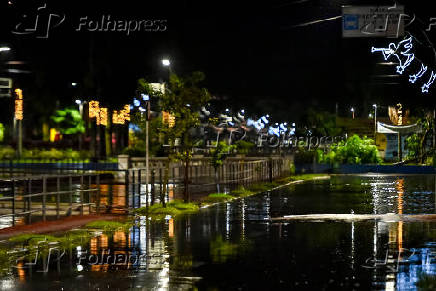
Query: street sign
[373, 21]
[5, 87]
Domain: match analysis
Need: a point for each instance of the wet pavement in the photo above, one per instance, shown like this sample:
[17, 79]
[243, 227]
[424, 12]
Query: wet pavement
[234, 246]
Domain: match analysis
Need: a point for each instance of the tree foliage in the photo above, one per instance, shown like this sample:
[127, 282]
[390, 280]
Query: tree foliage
[354, 150]
[68, 121]
[220, 153]
[323, 122]
[183, 99]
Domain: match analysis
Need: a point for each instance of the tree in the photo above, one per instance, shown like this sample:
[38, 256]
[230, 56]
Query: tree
[183, 99]
[323, 122]
[69, 121]
[219, 154]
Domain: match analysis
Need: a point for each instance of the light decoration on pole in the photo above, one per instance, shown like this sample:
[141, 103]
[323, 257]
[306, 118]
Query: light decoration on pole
[94, 109]
[126, 112]
[18, 104]
[103, 118]
[168, 118]
[121, 116]
[117, 118]
[402, 51]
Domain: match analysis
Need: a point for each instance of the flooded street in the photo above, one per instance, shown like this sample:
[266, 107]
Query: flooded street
[235, 246]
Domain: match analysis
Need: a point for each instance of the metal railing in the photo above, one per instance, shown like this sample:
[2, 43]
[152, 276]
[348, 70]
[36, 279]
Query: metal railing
[49, 196]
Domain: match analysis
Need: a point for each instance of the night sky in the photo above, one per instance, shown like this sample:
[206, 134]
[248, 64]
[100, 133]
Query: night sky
[254, 56]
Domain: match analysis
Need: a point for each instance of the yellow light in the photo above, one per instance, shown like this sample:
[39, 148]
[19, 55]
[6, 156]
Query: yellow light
[19, 109]
[117, 118]
[168, 118]
[94, 110]
[126, 112]
[18, 104]
[53, 133]
[120, 117]
[103, 116]
[19, 93]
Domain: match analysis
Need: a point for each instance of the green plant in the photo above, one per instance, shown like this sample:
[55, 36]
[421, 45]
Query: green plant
[412, 145]
[7, 152]
[109, 225]
[69, 121]
[354, 150]
[244, 147]
[241, 192]
[183, 98]
[218, 197]
[174, 208]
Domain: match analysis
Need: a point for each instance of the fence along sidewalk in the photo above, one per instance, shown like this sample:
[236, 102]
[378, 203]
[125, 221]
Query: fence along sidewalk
[233, 172]
[46, 196]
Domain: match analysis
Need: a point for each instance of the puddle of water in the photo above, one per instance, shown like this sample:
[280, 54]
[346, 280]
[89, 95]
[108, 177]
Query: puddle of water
[232, 246]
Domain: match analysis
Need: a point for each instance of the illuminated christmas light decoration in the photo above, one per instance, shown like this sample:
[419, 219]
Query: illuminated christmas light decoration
[283, 127]
[126, 112]
[18, 104]
[94, 109]
[103, 116]
[168, 118]
[401, 51]
[136, 102]
[427, 85]
[274, 130]
[117, 118]
[145, 97]
[403, 48]
[414, 77]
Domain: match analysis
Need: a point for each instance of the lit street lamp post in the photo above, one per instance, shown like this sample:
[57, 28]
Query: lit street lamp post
[80, 103]
[375, 123]
[352, 111]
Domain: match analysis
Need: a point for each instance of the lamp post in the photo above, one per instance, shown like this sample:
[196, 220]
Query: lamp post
[167, 63]
[375, 123]
[80, 103]
[352, 111]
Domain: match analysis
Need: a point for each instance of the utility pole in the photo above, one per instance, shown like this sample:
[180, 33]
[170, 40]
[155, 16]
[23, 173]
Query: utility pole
[375, 123]
[434, 129]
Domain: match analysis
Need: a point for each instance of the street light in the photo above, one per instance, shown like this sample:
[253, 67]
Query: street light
[73, 84]
[352, 111]
[4, 49]
[375, 123]
[166, 62]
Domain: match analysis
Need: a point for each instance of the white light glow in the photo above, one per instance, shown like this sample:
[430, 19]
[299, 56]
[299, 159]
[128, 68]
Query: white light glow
[427, 85]
[166, 62]
[414, 77]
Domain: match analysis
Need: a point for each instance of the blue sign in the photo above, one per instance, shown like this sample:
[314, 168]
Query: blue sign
[351, 22]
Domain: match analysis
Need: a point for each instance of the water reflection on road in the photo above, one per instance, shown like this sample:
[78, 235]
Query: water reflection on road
[235, 246]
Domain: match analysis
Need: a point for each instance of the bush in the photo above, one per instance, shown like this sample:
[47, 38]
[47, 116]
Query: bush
[412, 146]
[7, 153]
[355, 150]
[244, 147]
